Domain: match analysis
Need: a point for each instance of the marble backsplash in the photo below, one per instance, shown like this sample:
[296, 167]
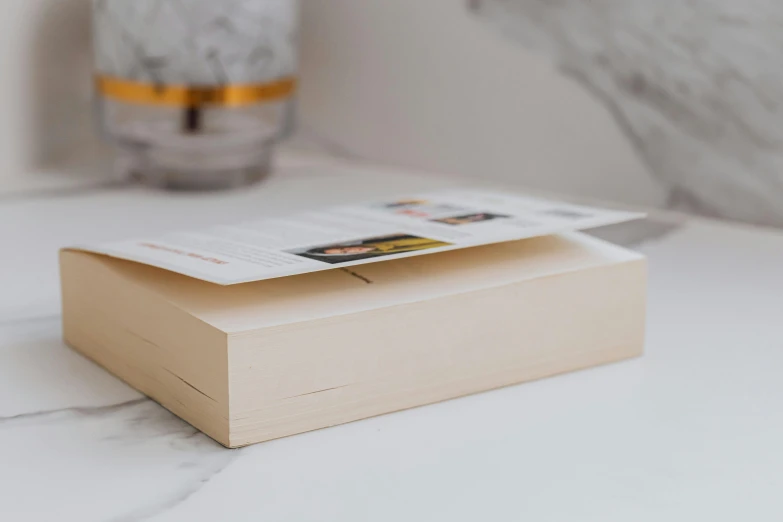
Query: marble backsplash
[695, 85]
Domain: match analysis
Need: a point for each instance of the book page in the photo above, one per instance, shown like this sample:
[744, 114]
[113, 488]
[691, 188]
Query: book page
[344, 236]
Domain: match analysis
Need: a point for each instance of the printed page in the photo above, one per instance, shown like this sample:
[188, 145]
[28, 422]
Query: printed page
[344, 236]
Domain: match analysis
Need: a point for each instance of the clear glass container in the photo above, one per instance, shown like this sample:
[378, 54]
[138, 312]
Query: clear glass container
[194, 94]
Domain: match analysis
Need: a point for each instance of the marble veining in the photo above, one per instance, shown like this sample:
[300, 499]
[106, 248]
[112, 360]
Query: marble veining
[136, 445]
[695, 85]
[54, 400]
[54, 415]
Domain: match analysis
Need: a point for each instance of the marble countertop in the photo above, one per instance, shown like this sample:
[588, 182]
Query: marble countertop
[691, 431]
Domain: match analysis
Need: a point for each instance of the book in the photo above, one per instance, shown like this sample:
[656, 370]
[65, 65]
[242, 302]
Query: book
[301, 337]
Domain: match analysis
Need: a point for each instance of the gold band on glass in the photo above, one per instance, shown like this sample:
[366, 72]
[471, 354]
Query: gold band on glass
[186, 96]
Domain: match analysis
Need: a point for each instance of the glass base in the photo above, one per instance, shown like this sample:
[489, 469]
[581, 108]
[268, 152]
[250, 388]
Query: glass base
[194, 179]
[217, 148]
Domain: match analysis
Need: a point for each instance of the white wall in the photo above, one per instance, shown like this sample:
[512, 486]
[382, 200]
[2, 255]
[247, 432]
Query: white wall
[44, 88]
[422, 83]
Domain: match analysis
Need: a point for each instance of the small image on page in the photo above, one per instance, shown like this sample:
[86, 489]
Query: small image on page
[468, 219]
[419, 208]
[370, 248]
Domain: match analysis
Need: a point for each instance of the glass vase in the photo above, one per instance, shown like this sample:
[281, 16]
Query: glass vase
[194, 94]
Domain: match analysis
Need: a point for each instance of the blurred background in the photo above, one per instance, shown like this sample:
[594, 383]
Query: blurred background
[670, 104]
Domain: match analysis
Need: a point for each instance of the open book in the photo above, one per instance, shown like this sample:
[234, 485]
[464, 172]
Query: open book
[272, 328]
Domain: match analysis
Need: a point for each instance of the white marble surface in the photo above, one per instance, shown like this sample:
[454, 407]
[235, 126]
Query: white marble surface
[689, 432]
